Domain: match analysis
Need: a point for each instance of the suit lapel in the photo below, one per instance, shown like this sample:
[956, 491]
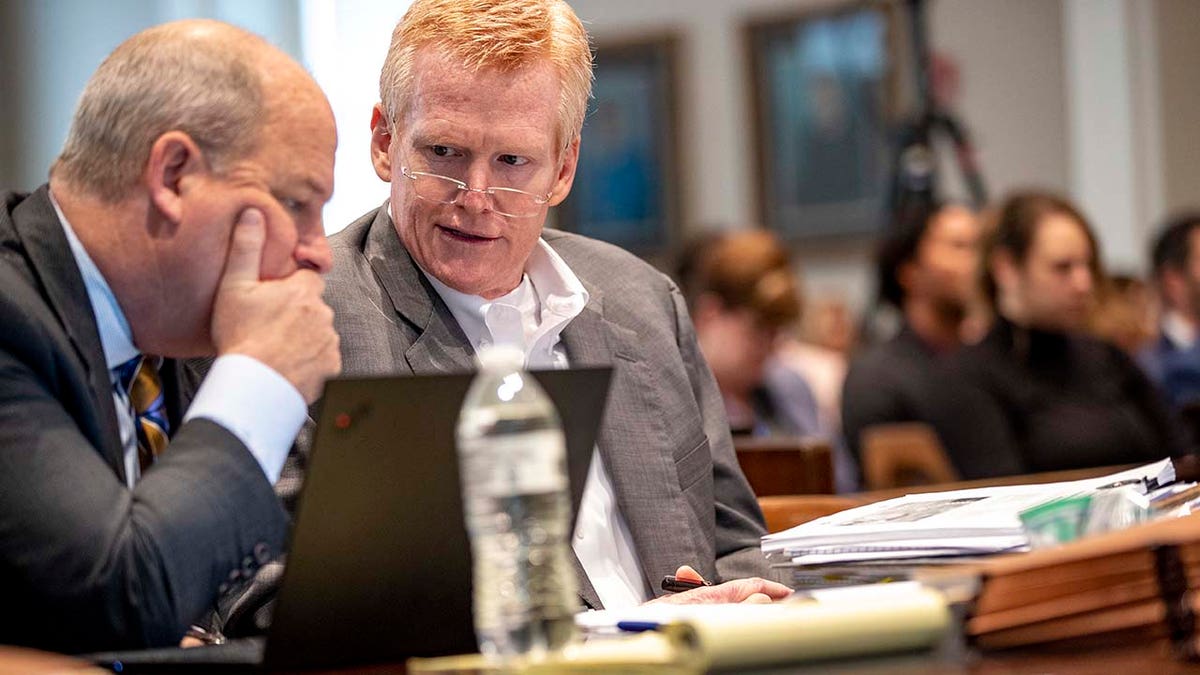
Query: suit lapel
[50, 255]
[441, 347]
[645, 481]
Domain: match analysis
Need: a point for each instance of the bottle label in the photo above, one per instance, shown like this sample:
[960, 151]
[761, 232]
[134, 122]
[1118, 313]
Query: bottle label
[527, 463]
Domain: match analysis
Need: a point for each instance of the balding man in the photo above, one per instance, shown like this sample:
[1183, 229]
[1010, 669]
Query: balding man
[182, 219]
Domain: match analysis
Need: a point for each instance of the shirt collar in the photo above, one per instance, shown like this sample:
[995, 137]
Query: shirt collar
[1178, 330]
[116, 338]
[534, 313]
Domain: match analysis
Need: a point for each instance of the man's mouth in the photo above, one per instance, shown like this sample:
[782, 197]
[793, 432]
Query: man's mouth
[459, 235]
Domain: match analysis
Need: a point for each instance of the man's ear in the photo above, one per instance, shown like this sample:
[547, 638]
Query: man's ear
[566, 173]
[381, 143]
[174, 159]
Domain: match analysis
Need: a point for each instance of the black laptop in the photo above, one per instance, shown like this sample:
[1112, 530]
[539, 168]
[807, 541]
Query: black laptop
[379, 565]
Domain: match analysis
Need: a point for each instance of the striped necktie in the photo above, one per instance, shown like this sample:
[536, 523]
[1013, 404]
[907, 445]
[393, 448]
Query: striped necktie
[138, 379]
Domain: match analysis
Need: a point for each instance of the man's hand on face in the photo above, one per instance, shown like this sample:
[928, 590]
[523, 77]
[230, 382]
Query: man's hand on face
[752, 590]
[283, 323]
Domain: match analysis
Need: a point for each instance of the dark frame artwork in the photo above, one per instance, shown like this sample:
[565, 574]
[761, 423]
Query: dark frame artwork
[821, 94]
[626, 189]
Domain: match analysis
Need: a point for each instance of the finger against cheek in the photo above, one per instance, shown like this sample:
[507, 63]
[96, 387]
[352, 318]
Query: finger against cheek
[245, 250]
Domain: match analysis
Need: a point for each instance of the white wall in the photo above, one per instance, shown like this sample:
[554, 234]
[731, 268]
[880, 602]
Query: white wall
[1178, 28]
[1011, 59]
[61, 42]
[345, 42]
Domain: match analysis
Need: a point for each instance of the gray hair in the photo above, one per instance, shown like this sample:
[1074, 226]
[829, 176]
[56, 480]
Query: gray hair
[198, 77]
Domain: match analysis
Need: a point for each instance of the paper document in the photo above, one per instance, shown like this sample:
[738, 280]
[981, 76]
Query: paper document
[962, 522]
[815, 625]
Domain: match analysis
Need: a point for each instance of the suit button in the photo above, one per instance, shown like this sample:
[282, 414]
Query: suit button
[262, 553]
[234, 575]
[223, 588]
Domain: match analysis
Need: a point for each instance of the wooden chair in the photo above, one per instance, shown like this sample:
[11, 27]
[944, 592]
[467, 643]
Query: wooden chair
[903, 455]
[786, 465]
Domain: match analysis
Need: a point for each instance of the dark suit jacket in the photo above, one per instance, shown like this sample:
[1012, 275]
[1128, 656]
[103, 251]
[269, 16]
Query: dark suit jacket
[85, 562]
[664, 439]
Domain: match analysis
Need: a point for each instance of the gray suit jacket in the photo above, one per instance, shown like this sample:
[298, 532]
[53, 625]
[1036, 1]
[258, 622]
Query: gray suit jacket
[664, 439]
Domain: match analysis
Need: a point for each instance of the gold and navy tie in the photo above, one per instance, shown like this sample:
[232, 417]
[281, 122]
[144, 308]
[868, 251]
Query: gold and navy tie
[138, 378]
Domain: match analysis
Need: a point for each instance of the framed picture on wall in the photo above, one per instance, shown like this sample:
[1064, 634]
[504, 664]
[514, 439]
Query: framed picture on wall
[626, 190]
[820, 95]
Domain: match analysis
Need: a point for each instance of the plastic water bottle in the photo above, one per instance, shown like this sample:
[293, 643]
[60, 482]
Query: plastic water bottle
[512, 459]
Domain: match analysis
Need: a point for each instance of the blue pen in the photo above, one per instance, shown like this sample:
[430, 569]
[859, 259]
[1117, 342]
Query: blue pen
[637, 626]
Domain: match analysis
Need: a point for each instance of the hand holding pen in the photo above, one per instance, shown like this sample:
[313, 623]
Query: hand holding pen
[684, 579]
[689, 587]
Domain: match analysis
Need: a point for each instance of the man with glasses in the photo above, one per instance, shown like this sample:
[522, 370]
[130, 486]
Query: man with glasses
[478, 132]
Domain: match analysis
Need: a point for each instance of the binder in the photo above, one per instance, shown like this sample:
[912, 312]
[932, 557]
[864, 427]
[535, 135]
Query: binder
[1136, 584]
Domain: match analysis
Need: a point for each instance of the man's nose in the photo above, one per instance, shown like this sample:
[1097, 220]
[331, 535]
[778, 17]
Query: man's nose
[314, 253]
[1083, 280]
[475, 200]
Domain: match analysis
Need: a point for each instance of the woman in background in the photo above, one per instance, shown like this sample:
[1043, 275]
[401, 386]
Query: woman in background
[741, 292]
[1041, 394]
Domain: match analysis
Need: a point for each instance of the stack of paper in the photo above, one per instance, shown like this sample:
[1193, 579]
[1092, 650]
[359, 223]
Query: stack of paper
[933, 526]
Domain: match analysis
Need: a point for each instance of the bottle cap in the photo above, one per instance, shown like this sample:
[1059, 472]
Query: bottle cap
[501, 357]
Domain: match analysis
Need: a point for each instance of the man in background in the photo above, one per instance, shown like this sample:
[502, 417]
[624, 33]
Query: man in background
[928, 266]
[182, 219]
[478, 132]
[1173, 360]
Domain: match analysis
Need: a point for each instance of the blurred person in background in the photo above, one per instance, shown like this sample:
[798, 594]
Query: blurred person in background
[1038, 393]
[1173, 359]
[928, 270]
[822, 367]
[741, 292]
[1125, 315]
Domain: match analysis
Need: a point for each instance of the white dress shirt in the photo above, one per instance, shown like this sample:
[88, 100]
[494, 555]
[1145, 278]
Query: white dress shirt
[1178, 330]
[240, 393]
[532, 317]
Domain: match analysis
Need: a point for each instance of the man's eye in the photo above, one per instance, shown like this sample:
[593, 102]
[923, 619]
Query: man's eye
[293, 205]
[513, 160]
[441, 150]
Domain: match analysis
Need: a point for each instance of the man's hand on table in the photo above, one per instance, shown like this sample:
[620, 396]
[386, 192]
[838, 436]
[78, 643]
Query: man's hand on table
[753, 589]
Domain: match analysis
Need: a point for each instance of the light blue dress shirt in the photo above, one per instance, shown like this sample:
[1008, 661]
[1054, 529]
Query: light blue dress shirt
[240, 393]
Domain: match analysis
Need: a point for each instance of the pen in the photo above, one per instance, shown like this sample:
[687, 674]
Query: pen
[675, 584]
[637, 626]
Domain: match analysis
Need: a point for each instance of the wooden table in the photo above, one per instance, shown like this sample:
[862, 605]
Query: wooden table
[1150, 659]
[21, 661]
